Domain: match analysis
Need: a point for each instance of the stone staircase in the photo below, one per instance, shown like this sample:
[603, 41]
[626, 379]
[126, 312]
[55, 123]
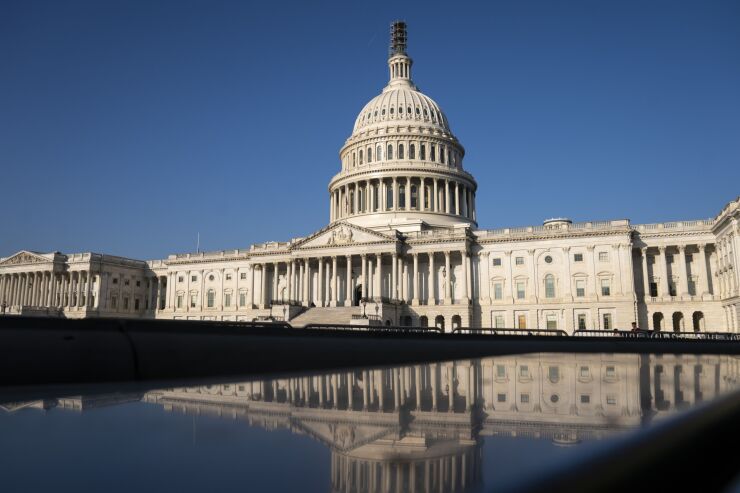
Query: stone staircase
[318, 315]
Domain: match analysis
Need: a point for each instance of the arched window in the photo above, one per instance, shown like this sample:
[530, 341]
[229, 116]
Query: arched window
[402, 196]
[439, 322]
[389, 197]
[456, 321]
[379, 153]
[427, 194]
[414, 200]
[400, 151]
[698, 319]
[354, 159]
[412, 151]
[549, 286]
[423, 321]
[360, 156]
[360, 200]
[422, 152]
[211, 298]
[351, 201]
[369, 154]
[375, 197]
[432, 154]
[389, 154]
[441, 154]
[657, 321]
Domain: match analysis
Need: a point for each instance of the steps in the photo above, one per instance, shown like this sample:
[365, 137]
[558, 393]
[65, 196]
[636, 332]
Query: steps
[318, 315]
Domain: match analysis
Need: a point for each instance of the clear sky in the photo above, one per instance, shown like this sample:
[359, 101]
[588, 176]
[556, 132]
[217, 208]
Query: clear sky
[128, 127]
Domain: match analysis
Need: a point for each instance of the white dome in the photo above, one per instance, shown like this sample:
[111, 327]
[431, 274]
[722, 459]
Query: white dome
[399, 105]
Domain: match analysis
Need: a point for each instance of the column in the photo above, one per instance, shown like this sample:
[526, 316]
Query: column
[407, 204]
[703, 279]
[394, 278]
[664, 291]
[378, 275]
[321, 282]
[465, 201]
[431, 293]
[568, 281]
[363, 258]
[484, 267]
[90, 278]
[645, 277]
[447, 196]
[334, 292]
[435, 199]
[448, 274]
[591, 284]
[415, 277]
[70, 289]
[78, 289]
[422, 193]
[457, 198]
[533, 280]
[356, 199]
[395, 194]
[348, 294]
[307, 278]
[684, 281]
[263, 285]
[466, 276]
[275, 272]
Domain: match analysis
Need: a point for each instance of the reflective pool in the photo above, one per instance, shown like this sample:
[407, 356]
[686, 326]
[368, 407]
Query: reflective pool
[449, 426]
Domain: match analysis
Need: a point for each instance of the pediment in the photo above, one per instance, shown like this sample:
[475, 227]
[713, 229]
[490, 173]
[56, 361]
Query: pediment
[344, 436]
[25, 257]
[343, 234]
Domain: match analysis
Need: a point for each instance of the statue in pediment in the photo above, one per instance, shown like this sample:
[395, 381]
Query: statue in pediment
[23, 258]
[340, 236]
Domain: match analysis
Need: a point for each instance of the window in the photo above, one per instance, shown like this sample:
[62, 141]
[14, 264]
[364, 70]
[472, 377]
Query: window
[605, 288]
[211, 278]
[389, 197]
[400, 151]
[243, 276]
[501, 397]
[520, 291]
[389, 153]
[519, 260]
[242, 299]
[500, 371]
[125, 302]
[361, 157]
[136, 303]
[603, 256]
[138, 284]
[522, 320]
[227, 299]
[584, 372]
[692, 287]
[180, 278]
[422, 152]
[669, 258]
[553, 373]
[577, 257]
[193, 278]
[378, 153]
[241, 388]
[611, 400]
[401, 196]
[193, 300]
[498, 291]
[607, 321]
[611, 372]
[499, 321]
[580, 288]
[414, 197]
[115, 280]
[113, 302]
[524, 398]
[442, 154]
[653, 289]
[432, 154]
[126, 282]
[524, 371]
[581, 321]
[549, 286]
[179, 301]
[671, 288]
[369, 154]
[228, 277]
[412, 151]
[585, 399]
[548, 259]
[552, 322]
[497, 262]
[211, 298]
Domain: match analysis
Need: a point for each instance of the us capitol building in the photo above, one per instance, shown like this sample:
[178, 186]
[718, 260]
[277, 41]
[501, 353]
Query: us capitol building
[403, 247]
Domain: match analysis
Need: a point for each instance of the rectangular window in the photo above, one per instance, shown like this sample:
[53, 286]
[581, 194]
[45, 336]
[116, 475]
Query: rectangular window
[522, 319]
[653, 289]
[500, 371]
[228, 277]
[243, 276]
[524, 371]
[115, 280]
[585, 399]
[553, 373]
[581, 321]
[611, 372]
[114, 302]
[584, 372]
[607, 321]
[193, 278]
[242, 299]
[227, 300]
[552, 322]
[126, 282]
[499, 321]
[603, 256]
[669, 258]
[210, 298]
[692, 287]
[520, 291]
[241, 388]
[524, 398]
[136, 304]
[671, 288]
[605, 287]
[179, 301]
[497, 262]
[501, 397]
[580, 288]
[193, 300]
[125, 302]
[577, 257]
[498, 291]
[180, 278]
[519, 260]
[611, 400]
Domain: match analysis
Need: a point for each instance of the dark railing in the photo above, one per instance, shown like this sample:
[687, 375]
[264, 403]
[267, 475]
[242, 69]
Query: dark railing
[628, 334]
[374, 328]
[366, 317]
[646, 334]
[510, 332]
[285, 302]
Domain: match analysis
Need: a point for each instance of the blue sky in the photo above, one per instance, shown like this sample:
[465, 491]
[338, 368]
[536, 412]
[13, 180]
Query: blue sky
[129, 127]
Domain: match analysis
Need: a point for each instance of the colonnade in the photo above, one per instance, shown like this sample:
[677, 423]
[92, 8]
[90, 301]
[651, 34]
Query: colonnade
[728, 263]
[404, 279]
[49, 289]
[676, 259]
[443, 196]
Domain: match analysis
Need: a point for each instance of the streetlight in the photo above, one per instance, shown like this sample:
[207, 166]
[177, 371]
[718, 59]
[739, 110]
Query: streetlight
[364, 303]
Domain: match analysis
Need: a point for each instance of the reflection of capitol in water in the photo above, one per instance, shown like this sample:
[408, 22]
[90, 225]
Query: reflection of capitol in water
[420, 427]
